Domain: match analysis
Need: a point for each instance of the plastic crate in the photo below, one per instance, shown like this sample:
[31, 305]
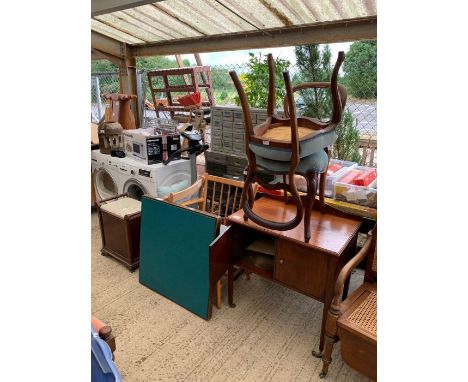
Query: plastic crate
[331, 178]
[362, 195]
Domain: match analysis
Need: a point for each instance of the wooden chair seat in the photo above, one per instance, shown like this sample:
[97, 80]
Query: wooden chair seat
[360, 312]
[283, 133]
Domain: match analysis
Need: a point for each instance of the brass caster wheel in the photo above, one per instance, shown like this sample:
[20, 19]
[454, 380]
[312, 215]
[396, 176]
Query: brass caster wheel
[322, 375]
[232, 305]
[317, 354]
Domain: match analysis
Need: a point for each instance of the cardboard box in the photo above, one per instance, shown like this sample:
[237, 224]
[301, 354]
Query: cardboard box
[148, 146]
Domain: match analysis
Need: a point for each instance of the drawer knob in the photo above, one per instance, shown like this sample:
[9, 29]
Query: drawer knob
[281, 261]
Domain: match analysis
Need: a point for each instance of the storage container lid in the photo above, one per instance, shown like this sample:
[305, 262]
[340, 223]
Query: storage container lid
[122, 207]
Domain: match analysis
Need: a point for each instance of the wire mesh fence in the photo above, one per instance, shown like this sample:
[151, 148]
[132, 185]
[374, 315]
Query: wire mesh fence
[360, 111]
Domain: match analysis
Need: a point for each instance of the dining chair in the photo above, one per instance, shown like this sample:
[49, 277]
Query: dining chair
[289, 146]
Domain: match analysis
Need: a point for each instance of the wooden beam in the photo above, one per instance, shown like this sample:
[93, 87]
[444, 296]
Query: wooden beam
[323, 33]
[107, 45]
[98, 55]
[101, 7]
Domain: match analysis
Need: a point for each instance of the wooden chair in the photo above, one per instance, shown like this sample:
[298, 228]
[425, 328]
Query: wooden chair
[189, 196]
[222, 197]
[354, 320]
[289, 146]
[216, 195]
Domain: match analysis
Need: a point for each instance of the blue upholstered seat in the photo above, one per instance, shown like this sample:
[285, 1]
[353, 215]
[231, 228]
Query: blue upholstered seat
[316, 162]
[306, 147]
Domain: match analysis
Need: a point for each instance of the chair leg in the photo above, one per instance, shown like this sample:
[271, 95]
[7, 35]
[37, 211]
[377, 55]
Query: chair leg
[246, 191]
[218, 294]
[311, 189]
[326, 357]
[323, 177]
[285, 190]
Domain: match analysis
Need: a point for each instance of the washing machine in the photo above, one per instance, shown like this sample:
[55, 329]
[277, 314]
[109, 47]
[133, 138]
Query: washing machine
[105, 175]
[114, 176]
[156, 180]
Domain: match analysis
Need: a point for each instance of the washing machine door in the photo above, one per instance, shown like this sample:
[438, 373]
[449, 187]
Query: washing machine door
[135, 189]
[104, 184]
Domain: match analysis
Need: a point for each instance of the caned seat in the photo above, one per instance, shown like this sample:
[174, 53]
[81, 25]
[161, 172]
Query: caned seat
[364, 317]
[289, 146]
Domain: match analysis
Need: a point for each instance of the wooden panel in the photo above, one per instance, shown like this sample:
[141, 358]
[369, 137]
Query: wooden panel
[114, 237]
[329, 233]
[220, 254]
[358, 353]
[302, 268]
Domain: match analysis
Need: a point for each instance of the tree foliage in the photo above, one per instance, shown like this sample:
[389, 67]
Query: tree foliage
[360, 69]
[314, 63]
[315, 66]
[256, 81]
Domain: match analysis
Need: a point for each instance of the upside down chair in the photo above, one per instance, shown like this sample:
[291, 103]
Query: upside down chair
[288, 146]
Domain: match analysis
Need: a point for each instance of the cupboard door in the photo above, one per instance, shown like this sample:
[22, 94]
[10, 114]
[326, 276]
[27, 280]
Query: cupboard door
[221, 250]
[301, 268]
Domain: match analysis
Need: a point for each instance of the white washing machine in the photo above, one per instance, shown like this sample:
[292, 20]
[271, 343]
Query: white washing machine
[137, 178]
[105, 175]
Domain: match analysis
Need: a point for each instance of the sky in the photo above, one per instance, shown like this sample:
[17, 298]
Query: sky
[242, 56]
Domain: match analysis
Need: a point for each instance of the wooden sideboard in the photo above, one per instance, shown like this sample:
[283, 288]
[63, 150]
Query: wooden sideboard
[283, 256]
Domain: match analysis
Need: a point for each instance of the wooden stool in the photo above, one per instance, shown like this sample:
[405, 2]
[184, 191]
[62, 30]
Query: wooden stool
[120, 218]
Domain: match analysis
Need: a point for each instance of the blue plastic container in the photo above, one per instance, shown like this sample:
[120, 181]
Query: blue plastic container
[103, 368]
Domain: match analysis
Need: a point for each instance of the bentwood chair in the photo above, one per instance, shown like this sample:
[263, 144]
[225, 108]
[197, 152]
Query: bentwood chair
[288, 146]
[353, 321]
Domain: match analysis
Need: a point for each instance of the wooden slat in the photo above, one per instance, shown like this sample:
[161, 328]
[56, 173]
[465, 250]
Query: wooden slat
[227, 201]
[213, 194]
[220, 199]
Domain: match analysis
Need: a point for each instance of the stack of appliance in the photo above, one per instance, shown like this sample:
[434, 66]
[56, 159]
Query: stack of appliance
[141, 171]
[113, 176]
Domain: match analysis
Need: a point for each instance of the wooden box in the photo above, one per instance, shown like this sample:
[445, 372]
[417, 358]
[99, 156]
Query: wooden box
[119, 219]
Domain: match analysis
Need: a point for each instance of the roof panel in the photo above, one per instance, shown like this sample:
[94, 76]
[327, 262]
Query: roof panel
[115, 20]
[164, 21]
[111, 32]
[135, 19]
[178, 19]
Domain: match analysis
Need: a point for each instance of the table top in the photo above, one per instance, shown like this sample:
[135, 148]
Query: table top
[328, 233]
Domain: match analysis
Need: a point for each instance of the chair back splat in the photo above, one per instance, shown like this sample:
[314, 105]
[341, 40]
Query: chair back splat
[289, 146]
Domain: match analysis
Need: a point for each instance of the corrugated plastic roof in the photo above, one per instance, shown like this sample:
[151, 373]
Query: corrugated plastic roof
[180, 19]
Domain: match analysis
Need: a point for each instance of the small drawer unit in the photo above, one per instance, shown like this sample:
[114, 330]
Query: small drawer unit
[228, 115]
[216, 123]
[238, 135]
[216, 133]
[227, 134]
[238, 127]
[216, 143]
[227, 145]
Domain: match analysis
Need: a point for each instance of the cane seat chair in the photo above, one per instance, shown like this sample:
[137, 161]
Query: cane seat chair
[288, 146]
[353, 321]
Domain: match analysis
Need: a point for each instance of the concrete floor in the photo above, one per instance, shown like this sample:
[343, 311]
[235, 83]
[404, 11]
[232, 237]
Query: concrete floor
[267, 337]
